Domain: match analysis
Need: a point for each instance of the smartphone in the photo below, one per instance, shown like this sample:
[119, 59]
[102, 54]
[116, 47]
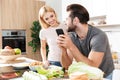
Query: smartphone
[59, 31]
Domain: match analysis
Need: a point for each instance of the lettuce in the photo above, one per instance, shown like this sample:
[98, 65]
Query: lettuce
[52, 72]
[30, 75]
[92, 72]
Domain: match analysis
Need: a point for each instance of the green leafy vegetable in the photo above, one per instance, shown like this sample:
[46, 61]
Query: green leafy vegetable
[89, 70]
[51, 73]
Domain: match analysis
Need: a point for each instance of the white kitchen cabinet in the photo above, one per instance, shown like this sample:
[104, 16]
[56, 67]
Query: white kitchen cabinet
[104, 7]
[94, 7]
[114, 40]
[113, 12]
[65, 3]
[99, 7]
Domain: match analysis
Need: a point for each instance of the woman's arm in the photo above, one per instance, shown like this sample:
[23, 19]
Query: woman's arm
[43, 50]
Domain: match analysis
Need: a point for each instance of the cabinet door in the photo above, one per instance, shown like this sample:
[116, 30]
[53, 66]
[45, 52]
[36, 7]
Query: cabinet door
[0, 13]
[19, 14]
[95, 7]
[12, 14]
[99, 7]
[114, 40]
[113, 12]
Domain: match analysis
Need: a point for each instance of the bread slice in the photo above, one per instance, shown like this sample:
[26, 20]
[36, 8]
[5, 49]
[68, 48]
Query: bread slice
[78, 76]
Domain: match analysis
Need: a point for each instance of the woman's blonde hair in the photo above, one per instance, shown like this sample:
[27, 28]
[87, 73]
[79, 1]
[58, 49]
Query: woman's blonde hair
[44, 9]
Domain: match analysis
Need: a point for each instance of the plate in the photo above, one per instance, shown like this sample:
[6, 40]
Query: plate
[9, 57]
[10, 62]
[11, 75]
[21, 66]
[6, 76]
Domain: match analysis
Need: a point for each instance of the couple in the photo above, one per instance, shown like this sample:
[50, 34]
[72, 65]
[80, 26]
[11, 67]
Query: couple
[82, 42]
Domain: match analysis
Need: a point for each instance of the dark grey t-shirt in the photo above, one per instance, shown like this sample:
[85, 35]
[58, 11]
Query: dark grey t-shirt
[96, 40]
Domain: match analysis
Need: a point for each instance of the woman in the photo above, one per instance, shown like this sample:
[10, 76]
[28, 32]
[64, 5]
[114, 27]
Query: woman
[48, 36]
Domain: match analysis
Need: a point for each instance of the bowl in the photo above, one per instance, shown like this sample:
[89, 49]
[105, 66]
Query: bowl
[9, 57]
[20, 66]
[34, 68]
[34, 65]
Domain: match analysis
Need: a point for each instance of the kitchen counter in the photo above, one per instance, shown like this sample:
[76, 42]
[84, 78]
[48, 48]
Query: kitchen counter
[8, 68]
[15, 66]
[55, 79]
[18, 60]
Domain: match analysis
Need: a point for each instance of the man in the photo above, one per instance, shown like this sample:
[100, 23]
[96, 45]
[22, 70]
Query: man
[85, 43]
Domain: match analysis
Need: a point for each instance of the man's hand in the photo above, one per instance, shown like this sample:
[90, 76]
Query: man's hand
[64, 41]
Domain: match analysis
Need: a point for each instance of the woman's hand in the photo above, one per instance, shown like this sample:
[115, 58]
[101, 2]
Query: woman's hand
[46, 63]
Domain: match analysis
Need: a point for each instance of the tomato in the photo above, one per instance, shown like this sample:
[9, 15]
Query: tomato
[9, 75]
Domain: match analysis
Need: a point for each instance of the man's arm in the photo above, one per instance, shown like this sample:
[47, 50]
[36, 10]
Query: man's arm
[66, 59]
[94, 58]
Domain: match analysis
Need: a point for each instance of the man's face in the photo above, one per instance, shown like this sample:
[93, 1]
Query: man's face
[69, 23]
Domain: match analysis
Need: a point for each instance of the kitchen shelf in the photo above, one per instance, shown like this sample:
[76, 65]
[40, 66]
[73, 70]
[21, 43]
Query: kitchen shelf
[108, 27]
[98, 17]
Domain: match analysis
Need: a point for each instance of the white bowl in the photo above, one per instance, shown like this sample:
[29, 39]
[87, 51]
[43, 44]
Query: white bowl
[34, 65]
[33, 68]
[9, 57]
[20, 65]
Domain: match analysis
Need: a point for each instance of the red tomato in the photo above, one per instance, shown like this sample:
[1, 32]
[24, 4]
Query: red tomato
[9, 75]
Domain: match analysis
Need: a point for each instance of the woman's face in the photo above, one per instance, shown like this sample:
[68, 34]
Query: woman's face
[50, 18]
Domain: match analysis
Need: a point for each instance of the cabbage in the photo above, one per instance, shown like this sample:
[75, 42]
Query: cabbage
[51, 72]
[30, 75]
[92, 72]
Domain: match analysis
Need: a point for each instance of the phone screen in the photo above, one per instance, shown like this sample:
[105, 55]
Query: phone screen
[59, 31]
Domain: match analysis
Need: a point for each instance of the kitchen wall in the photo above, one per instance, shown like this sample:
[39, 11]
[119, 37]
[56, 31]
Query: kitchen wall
[57, 6]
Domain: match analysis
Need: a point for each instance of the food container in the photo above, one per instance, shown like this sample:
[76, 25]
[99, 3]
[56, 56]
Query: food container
[33, 68]
[34, 65]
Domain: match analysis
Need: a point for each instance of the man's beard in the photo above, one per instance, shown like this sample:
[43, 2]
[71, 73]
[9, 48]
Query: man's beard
[71, 28]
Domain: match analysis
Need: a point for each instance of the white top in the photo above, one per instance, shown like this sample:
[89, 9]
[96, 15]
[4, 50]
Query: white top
[50, 36]
[116, 75]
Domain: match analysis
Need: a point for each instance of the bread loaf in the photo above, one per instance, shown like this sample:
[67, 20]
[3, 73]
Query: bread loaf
[7, 52]
[78, 76]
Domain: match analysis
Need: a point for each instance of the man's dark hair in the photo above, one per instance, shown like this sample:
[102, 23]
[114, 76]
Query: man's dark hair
[79, 11]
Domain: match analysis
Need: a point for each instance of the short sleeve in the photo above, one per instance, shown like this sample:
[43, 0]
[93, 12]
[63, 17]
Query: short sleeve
[99, 43]
[42, 34]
